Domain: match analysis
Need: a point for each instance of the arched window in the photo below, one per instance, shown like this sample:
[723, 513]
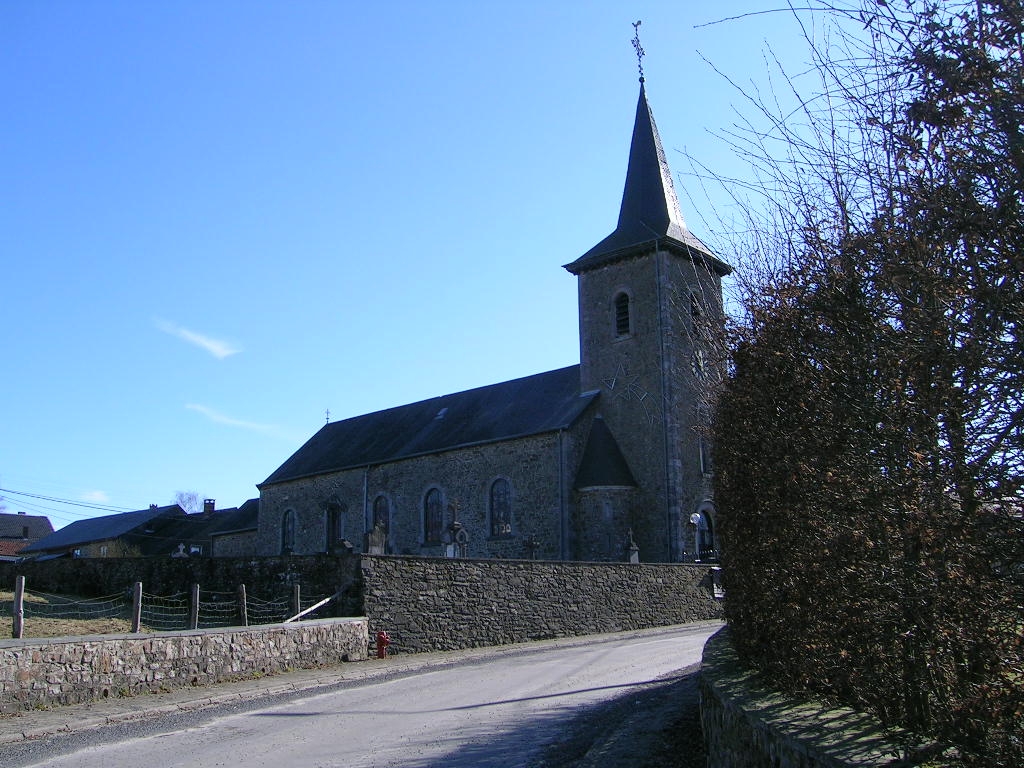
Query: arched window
[501, 508]
[381, 514]
[288, 532]
[622, 315]
[433, 508]
[336, 514]
[704, 534]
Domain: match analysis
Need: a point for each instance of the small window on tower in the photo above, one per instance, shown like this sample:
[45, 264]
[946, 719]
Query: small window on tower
[622, 319]
[695, 313]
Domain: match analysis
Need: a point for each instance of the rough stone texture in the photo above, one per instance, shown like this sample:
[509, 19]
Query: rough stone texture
[650, 389]
[241, 544]
[37, 673]
[539, 470]
[437, 604]
[746, 723]
[264, 577]
[602, 521]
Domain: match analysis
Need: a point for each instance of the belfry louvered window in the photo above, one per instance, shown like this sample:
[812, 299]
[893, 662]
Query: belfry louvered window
[622, 319]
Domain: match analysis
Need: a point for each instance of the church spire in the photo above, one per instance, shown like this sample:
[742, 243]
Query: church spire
[649, 211]
[649, 207]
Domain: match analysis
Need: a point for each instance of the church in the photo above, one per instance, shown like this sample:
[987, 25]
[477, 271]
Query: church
[603, 461]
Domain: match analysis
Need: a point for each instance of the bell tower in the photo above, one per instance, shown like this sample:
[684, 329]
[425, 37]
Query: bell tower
[650, 303]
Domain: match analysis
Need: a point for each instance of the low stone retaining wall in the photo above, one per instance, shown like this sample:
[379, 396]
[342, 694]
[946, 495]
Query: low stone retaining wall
[71, 670]
[430, 604]
[747, 723]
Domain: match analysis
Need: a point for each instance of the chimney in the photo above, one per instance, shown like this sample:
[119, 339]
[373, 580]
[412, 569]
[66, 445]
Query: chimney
[208, 506]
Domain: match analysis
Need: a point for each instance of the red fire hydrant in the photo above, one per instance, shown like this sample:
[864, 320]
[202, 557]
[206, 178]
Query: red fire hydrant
[383, 641]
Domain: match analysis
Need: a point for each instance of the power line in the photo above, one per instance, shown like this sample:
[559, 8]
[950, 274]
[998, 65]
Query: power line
[102, 507]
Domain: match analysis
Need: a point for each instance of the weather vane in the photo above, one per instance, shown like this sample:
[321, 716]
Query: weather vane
[639, 49]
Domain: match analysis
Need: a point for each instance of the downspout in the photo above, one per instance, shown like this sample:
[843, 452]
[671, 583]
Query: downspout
[366, 500]
[563, 514]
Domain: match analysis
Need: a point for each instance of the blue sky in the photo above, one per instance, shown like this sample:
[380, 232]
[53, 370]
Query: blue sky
[220, 219]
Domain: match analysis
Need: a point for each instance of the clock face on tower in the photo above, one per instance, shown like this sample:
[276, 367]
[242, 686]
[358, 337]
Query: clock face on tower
[625, 384]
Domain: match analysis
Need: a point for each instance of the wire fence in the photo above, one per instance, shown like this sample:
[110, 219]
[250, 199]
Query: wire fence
[164, 613]
[145, 612]
[268, 611]
[49, 606]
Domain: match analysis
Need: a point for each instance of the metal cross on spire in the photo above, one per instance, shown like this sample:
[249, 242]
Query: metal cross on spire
[639, 49]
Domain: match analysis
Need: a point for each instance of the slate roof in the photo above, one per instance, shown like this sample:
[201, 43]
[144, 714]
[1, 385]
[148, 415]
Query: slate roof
[101, 528]
[13, 526]
[603, 465]
[198, 528]
[649, 214]
[532, 405]
[236, 519]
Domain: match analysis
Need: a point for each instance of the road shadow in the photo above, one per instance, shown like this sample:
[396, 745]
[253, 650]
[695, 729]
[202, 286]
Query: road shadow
[653, 723]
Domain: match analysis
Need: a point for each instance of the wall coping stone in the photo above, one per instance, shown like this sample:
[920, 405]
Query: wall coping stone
[524, 561]
[162, 635]
[822, 735]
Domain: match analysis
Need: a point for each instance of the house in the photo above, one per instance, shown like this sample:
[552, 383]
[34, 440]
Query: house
[19, 530]
[211, 533]
[604, 460]
[234, 531]
[157, 532]
[121, 535]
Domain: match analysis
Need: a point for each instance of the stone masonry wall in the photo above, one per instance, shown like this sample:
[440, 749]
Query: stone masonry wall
[748, 723]
[531, 466]
[45, 672]
[240, 544]
[436, 604]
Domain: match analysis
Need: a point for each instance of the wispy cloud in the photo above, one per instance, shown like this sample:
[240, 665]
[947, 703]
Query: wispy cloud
[219, 418]
[97, 497]
[216, 347]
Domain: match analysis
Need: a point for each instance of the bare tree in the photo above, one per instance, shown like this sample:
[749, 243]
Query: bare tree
[190, 501]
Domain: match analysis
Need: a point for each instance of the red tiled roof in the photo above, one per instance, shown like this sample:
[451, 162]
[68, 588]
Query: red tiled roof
[11, 548]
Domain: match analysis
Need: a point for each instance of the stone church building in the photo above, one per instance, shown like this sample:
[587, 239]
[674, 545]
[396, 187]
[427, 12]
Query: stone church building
[604, 460]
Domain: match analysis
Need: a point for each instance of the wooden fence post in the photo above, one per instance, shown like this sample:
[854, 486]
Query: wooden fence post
[296, 599]
[243, 608]
[19, 607]
[193, 617]
[137, 607]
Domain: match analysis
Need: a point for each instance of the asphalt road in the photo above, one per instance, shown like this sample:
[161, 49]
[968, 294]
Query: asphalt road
[506, 709]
